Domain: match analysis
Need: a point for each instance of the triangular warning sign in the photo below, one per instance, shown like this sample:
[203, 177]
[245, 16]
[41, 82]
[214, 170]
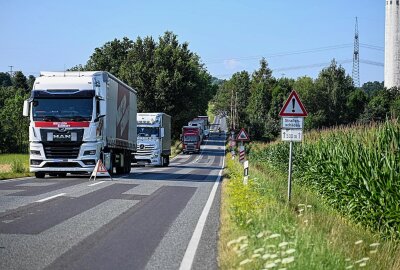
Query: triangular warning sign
[99, 170]
[293, 106]
[242, 135]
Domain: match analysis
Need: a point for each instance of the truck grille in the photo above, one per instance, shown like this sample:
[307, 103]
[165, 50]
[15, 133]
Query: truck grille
[190, 147]
[144, 150]
[64, 150]
[142, 153]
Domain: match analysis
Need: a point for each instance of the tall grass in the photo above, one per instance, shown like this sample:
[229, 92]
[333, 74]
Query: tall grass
[14, 165]
[356, 170]
[260, 230]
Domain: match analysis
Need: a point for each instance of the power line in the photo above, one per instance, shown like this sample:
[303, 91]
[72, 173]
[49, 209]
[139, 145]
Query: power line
[281, 54]
[323, 64]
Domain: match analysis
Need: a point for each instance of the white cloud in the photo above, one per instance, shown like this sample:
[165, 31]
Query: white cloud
[231, 64]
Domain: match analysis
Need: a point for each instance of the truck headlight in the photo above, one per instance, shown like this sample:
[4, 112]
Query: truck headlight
[35, 162]
[35, 152]
[89, 153]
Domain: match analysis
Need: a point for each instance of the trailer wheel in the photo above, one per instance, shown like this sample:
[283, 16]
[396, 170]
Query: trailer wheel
[39, 174]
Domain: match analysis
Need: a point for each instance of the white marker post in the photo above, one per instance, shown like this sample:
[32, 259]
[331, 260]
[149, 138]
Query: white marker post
[246, 172]
[292, 114]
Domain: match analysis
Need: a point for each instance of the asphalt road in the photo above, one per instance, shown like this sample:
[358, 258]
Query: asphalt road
[153, 218]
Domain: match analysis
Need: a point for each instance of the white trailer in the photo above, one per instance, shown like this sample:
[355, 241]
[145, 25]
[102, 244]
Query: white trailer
[77, 118]
[154, 139]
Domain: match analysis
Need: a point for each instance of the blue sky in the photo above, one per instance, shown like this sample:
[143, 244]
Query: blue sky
[229, 36]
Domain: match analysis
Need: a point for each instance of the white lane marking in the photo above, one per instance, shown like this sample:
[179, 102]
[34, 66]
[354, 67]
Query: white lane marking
[51, 197]
[188, 258]
[91, 185]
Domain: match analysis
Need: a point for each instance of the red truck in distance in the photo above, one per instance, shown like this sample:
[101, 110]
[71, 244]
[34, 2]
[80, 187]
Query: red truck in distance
[191, 139]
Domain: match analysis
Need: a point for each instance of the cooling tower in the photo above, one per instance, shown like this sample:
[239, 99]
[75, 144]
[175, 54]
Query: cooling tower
[392, 44]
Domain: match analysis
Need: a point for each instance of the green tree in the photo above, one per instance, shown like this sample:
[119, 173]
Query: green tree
[371, 87]
[14, 131]
[280, 93]
[378, 108]
[20, 81]
[259, 103]
[313, 100]
[356, 102]
[110, 56]
[240, 86]
[334, 87]
[5, 79]
[168, 77]
[31, 81]
[222, 99]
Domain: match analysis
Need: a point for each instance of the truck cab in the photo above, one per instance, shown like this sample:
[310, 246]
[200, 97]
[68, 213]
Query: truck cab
[153, 139]
[191, 139]
[77, 118]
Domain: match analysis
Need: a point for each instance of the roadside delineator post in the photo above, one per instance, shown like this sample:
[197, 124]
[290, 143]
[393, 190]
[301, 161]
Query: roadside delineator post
[99, 170]
[246, 172]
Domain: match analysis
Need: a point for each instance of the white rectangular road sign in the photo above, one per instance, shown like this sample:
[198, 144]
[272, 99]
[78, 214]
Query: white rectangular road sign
[294, 135]
[292, 122]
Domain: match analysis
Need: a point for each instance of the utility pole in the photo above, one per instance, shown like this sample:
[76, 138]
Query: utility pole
[236, 111]
[11, 70]
[232, 117]
[356, 58]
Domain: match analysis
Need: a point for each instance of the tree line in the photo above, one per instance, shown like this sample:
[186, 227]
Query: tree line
[330, 100]
[168, 76]
[13, 126]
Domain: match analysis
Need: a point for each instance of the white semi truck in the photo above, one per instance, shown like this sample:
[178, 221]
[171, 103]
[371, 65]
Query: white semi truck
[77, 118]
[154, 139]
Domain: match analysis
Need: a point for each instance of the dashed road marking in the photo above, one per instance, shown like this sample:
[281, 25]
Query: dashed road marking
[51, 197]
[91, 185]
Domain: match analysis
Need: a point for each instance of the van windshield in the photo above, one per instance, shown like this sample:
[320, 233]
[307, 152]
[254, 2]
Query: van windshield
[62, 109]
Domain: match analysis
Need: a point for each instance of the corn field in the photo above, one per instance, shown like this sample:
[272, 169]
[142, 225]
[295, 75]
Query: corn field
[355, 169]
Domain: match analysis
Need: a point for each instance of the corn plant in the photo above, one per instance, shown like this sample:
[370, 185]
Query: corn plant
[355, 169]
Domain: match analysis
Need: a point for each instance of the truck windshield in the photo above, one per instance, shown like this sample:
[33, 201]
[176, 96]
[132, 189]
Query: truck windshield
[62, 109]
[148, 132]
[190, 138]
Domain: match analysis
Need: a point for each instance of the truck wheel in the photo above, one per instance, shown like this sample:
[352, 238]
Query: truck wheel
[166, 161]
[161, 162]
[39, 174]
[127, 163]
[120, 170]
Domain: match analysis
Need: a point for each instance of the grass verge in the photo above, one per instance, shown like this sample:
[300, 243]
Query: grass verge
[260, 230]
[14, 166]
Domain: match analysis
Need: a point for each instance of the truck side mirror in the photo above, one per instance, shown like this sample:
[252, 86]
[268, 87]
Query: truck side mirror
[162, 132]
[98, 117]
[25, 111]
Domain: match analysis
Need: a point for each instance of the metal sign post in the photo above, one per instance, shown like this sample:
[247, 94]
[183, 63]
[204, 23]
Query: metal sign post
[290, 171]
[292, 114]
